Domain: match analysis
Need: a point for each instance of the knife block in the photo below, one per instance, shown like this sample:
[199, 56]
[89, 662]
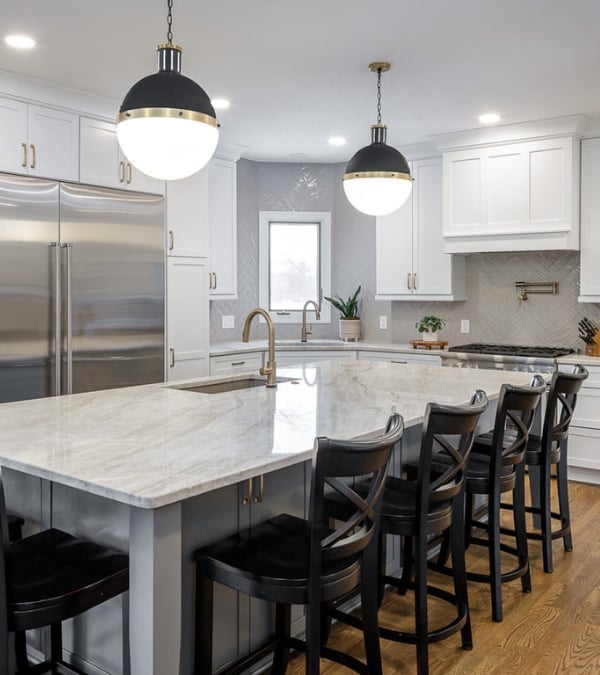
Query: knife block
[593, 350]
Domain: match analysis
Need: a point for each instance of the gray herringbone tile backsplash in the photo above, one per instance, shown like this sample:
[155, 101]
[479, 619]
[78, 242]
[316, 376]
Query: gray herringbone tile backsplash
[492, 307]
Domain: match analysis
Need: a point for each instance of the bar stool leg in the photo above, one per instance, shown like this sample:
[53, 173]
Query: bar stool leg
[563, 496]
[420, 543]
[370, 604]
[494, 553]
[283, 621]
[459, 569]
[520, 525]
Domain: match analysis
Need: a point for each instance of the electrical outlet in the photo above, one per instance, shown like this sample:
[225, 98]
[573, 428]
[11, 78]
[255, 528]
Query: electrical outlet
[383, 322]
[464, 325]
[228, 321]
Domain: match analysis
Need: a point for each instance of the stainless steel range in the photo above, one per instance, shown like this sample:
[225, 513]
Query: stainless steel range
[505, 357]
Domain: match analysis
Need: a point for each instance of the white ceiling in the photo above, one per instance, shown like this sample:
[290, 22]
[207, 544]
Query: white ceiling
[296, 71]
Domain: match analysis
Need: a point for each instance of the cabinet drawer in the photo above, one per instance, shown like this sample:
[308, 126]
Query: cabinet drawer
[584, 448]
[395, 357]
[288, 358]
[236, 363]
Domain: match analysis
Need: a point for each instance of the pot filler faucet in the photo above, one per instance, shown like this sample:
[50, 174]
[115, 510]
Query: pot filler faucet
[305, 331]
[269, 369]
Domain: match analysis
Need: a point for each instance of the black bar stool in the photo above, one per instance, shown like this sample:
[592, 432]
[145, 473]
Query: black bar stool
[47, 578]
[417, 509]
[496, 466]
[551, 450]
[289, 560]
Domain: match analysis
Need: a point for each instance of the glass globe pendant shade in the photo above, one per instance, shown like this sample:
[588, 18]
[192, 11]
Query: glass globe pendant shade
[167, 127]
[377, 179]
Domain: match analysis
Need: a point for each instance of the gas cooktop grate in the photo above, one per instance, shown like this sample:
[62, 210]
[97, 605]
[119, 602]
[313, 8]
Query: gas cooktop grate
[513, 350]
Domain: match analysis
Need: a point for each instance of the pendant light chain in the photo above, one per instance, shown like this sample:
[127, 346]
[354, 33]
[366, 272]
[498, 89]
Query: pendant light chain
[170, 22]
[378, 95]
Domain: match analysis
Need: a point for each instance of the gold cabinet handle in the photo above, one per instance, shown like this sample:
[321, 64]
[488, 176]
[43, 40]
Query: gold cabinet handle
[248, 497]
[415, 281]
[24, 162]
[171, 357]
[215, 276]
[128, 173]
[121, 171]
[32, 165]
[171, 240]
[261, 489]
[408, 277]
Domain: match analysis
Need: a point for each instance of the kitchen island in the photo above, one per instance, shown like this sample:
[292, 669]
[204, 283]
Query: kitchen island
[158, 470]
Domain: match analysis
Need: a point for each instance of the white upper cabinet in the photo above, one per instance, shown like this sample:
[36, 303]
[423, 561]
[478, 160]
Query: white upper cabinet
[518, 196]
[103, 163]
[222, 215]
[38, 141]
[589, 289]
[411, 262]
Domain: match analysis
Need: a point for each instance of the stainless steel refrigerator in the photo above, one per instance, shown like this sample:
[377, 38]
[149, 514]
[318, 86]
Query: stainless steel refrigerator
[81, 288]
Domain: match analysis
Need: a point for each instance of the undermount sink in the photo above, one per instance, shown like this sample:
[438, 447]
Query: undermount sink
[229, 385]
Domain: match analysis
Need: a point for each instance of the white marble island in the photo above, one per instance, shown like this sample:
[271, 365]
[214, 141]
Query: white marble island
[167, 467]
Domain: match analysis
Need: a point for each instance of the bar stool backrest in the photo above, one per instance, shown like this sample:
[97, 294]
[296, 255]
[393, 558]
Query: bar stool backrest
[560, 405]
[514, 417]
[448, 433]
[334, 462]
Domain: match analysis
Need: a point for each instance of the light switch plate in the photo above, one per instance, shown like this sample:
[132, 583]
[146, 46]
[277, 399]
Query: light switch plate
[228, 321]
[383, 322]
[464, 325]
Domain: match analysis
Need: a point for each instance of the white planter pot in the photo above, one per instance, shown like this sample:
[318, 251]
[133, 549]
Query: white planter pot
[429, 337]
[350, 329]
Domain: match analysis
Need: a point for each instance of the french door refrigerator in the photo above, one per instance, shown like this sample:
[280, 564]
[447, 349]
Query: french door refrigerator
[81, 288]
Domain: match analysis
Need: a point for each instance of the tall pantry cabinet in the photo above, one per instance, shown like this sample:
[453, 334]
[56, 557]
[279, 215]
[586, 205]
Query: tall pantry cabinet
[200, 227]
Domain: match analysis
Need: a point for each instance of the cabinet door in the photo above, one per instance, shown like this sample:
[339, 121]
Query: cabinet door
[187, 215]
[435, 272]
[394, 268]
[103, 163]
[53, 143]
[222, 210]
[13, 136]
[187, 318]
[99, 156]
[589, 290]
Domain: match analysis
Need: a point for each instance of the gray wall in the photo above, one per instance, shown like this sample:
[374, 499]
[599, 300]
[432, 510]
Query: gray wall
[492, 307]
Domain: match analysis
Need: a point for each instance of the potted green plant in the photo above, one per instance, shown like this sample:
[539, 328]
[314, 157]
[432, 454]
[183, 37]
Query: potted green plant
[349, 319]
[429, 326]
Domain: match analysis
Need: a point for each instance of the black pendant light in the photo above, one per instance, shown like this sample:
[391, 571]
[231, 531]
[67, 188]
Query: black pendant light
[377, 179]
[167, 127]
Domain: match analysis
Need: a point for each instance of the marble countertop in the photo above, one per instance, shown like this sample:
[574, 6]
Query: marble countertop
[153, 445]
[316, 344]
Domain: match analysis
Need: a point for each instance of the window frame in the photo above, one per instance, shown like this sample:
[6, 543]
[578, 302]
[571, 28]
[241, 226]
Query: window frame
[323, 219]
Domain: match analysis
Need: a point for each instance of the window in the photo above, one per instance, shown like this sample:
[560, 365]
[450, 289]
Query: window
[294, 263]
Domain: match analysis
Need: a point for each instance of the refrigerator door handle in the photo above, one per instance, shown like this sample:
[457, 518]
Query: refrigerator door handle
[69, 322]
[56, 330]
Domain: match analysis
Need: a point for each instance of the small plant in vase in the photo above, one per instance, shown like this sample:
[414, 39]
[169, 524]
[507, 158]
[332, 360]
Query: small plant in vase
[349, 319]
[429, 326]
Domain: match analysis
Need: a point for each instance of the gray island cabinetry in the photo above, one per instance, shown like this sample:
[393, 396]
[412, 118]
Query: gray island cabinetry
[158, 470]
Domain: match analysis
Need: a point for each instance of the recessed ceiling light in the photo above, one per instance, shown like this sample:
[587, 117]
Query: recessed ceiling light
[489, 118]
[19, 41]
[337, 140]
[220, 103]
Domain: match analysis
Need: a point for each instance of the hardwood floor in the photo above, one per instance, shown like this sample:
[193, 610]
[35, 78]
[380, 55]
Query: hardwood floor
[554, 629]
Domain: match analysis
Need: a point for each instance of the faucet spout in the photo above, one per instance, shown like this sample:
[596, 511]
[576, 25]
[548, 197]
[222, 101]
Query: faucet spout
[270, 369]
[305, 331]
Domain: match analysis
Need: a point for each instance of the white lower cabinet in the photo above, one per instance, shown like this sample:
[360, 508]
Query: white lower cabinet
[187, 318]
[584, 432]
[289, 358]
[241, 623]
[232, 364]
[395, 357]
